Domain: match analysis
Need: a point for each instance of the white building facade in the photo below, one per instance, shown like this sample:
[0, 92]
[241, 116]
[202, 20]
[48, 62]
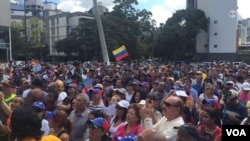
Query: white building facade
[221, 40]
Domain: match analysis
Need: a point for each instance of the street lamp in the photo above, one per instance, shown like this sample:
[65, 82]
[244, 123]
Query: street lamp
[25, 33]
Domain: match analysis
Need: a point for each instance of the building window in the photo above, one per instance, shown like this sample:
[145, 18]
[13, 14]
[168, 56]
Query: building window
[215, 34]
[205, 45]
[215, 46]
[215, 21]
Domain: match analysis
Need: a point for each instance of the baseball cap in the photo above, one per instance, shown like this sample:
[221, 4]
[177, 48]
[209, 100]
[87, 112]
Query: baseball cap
[94, 91]
[72, 85]
[39, 105]
[49, 114]
[232, 95]
[99, 122]
[142, 102]
[98, 86]
[45, 78]
[121, 90]
[246, 86]
[181, 93]
[123, 104]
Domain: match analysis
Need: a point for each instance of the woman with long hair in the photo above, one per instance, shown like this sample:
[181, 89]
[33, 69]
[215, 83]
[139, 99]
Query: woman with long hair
[59, 124]
[133, 126]
[119, 118]
[210, 130]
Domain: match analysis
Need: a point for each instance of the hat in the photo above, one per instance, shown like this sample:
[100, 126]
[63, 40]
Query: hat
[145, 84]
[123, 104]
[94, 91]
[137, 83]
[181, 93]
[248, 104]
[98, 86]
[9, 83]
[39, 105]
[231, 95]
[121, 90]
[230, 82]
[45, 78]
[188, 130]
[101, 123]
[72, 85]
[246, 86]
[49, 114]
[198, 72]
[142, 102]
[171, 78]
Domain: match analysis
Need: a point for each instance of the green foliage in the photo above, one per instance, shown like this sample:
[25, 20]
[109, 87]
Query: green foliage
[35, 27]
[17, 39]
[176, 39]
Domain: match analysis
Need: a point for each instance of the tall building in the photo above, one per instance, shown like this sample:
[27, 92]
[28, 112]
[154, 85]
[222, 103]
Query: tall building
[221, 40]
[4, 29]
[57, 23]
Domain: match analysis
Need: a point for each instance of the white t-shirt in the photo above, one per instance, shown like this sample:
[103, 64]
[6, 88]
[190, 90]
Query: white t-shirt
[129, 97]
[61, 96]
[45, 127]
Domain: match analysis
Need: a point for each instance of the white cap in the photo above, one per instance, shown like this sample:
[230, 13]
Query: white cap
[181, 93]
[98, 86]
[246, 86]
[123, 104]
[121, 90]
[230, 82]
[142, 102]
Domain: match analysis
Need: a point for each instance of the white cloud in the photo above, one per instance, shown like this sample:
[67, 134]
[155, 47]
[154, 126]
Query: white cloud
[162, 12]
[243, 8]
[81, 5]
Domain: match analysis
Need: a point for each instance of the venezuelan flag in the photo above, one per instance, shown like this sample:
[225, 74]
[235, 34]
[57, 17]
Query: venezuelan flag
[120, 53]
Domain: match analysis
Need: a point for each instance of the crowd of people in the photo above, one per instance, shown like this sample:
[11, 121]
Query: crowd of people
[122, 102]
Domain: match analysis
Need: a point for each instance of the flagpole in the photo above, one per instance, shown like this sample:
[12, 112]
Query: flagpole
[101, 34]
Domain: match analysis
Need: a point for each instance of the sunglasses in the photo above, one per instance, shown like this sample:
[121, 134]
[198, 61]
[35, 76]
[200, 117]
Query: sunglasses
[167, 104]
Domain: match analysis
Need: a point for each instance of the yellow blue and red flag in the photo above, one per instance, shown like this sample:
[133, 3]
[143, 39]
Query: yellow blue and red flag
[120, 53]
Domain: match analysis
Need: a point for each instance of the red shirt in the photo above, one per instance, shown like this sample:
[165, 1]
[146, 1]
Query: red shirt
[121, 131]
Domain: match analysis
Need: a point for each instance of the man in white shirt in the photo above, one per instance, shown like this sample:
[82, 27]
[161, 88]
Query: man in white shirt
[172, 108]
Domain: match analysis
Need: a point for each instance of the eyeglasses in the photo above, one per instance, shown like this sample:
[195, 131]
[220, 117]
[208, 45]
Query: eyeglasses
[167, 104]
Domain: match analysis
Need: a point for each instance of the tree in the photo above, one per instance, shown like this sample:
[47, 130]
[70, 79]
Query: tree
[125, 25]
[34, 29]
[17, 40]
[176, 39]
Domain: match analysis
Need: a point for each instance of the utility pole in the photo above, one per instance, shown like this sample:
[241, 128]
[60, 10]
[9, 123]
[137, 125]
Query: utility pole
[25, 32]
[101, 34]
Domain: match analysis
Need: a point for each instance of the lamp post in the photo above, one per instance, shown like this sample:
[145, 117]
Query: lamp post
[25, 32]
[101, 34]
